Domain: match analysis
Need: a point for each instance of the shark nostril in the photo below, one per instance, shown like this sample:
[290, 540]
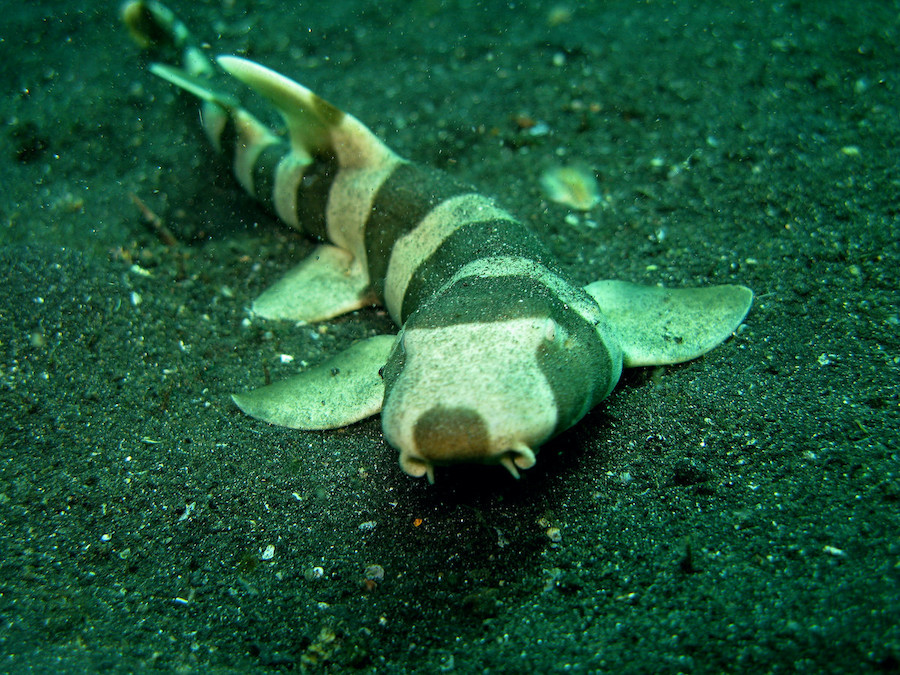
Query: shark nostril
[451, 434]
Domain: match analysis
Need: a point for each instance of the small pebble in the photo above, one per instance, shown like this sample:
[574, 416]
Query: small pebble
[375, 572]
[314, 573]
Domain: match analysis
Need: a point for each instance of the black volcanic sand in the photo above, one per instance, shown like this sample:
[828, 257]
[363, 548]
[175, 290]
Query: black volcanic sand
[739, 513]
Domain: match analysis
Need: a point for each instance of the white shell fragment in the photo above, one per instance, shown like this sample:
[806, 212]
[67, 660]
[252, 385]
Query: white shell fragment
[571, 186]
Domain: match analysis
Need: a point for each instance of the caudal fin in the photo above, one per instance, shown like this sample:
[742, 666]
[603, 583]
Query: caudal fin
[327, 149]
[155, 27]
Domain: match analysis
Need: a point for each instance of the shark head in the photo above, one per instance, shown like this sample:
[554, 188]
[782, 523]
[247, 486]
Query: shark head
[488, 391]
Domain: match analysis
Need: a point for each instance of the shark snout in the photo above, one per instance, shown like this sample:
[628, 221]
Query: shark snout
[445, 435]
[452, 434]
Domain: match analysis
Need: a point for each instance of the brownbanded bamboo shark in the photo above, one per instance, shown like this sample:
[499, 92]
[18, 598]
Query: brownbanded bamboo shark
[498, 349]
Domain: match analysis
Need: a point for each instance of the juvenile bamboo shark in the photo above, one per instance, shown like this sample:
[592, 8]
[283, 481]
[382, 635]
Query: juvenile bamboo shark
[498, 349]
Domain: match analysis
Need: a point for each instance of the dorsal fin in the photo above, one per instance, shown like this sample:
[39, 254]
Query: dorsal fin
[315, 126]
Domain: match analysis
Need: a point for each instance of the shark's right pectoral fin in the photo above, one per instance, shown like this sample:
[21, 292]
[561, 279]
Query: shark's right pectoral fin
[342, 390]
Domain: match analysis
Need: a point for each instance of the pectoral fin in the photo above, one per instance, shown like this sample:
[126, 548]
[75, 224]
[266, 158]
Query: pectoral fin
[657, 325]
[326, 284]
[338, 392]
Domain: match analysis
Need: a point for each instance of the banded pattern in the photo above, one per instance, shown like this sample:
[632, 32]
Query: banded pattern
[498, 349]
[438, 255]
[413, 227]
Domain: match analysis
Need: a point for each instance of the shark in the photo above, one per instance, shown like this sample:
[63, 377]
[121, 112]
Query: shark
[498, 349]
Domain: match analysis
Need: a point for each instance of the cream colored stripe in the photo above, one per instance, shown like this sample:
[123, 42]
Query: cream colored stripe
[350, 204]
[288, 175]
[419, 244]
[365, 164]
[252, 139]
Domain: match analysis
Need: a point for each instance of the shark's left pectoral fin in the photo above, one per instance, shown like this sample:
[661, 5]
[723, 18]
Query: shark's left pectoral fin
[338, 392]
[657, 325]
[328, 283]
